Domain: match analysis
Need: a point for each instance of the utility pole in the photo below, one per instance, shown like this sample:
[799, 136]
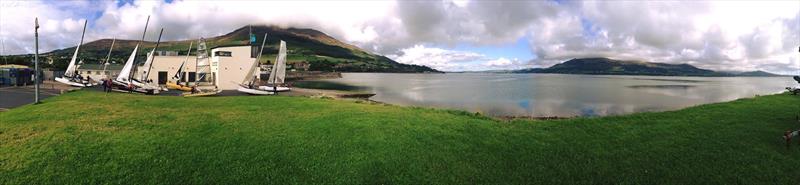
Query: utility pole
[36, 63]
[3, 43]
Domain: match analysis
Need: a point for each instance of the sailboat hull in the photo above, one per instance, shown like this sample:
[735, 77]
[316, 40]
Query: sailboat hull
[274, 89]
[147, 86]
[200, 94]
[253, 91]
[72, 83]
[175, 86]
[124, 86]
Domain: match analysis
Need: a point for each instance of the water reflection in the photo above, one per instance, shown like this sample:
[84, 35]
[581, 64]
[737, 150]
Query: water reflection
[542, 95]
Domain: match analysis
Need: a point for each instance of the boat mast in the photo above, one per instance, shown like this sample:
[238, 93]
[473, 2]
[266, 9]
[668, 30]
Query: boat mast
[258, 58]
[153, 56]
[130, 76]
[180, 75]
[108, 57]
[71, 68]
[196, 59]
[202, 54]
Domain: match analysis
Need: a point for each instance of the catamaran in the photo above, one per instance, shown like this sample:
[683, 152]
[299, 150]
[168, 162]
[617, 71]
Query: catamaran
[248, 84]
[70, 76]
[202, 67]
[278, 73]
[125, 81]
[144, 81]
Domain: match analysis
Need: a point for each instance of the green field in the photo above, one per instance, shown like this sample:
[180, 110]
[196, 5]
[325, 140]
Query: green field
[88, 137]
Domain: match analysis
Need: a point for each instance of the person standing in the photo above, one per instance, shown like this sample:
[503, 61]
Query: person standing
[108, 85]
[105, 85]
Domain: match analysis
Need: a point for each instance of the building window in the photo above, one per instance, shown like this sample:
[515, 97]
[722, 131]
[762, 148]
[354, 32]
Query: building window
[222, 53]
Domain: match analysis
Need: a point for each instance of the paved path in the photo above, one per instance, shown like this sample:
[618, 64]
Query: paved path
[11, 97]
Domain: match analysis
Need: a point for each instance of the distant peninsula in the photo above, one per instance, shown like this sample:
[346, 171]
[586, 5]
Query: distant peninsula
[606, 66]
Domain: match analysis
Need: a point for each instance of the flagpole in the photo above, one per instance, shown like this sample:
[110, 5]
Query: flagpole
[36, 62]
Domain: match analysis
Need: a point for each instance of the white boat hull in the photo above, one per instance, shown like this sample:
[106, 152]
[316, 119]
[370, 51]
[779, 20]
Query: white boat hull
[277, 89]
[124, 86]
[253, 91]
[72, 83]
[147, 86]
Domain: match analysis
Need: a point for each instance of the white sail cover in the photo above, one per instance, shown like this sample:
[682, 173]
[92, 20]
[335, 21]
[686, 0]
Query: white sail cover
[126, 70]
[278, 73]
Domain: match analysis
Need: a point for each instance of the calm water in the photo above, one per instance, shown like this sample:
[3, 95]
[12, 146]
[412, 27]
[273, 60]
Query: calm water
[559, 95]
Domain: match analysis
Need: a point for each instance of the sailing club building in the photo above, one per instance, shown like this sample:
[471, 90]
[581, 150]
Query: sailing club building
[227, 66]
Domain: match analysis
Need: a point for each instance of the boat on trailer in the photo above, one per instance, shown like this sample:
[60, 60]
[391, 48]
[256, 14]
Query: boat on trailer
[125, 81]
[70, 76]
[179, 75]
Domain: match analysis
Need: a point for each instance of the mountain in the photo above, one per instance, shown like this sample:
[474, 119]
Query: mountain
[605, 66]
[322, 51]
[752, 73]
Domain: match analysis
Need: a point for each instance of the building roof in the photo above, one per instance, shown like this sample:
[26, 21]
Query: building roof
[228, 46]
[13, 66]
[100, 67]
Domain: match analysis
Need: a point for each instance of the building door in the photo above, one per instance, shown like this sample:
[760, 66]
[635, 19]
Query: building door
[162, 77]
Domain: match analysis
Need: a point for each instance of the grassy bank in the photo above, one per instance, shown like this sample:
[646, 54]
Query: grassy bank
[90, 137]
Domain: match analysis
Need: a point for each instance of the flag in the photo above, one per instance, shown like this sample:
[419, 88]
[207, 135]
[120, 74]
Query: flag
[37, 23]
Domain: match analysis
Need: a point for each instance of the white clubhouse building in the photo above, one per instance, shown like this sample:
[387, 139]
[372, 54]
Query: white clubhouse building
[228, 66]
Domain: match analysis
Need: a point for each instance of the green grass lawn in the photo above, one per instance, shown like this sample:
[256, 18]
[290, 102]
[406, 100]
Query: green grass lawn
[88, 137]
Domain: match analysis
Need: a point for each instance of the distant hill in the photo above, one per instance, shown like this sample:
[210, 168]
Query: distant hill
[322, 51]
[605, 66]
[752, 73]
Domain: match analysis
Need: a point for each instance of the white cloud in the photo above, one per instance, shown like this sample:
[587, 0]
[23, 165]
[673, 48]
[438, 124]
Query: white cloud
[721, 35]
[505, 63]
[60, 27]
[453, 60]
[437, 58]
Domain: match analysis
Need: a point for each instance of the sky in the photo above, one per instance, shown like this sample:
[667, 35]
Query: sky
[452, 35]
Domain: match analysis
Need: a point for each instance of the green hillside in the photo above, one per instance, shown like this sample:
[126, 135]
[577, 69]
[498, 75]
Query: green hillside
[606, 66]
[91, 137]
[323, 52]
